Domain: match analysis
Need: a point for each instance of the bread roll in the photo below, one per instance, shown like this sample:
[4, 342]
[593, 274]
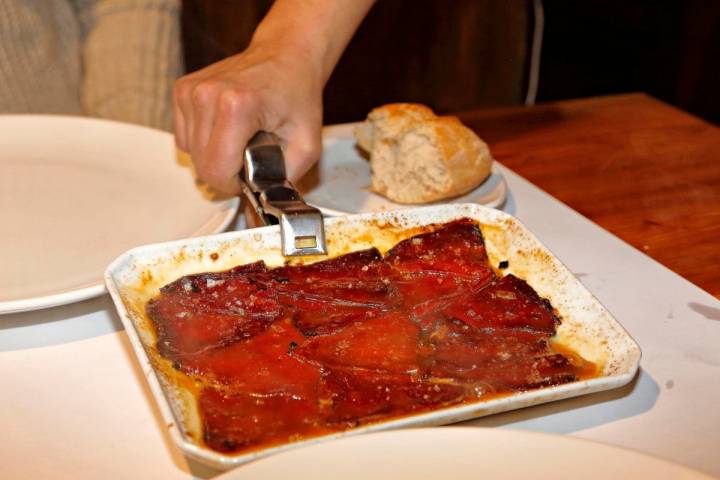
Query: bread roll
[418, 157]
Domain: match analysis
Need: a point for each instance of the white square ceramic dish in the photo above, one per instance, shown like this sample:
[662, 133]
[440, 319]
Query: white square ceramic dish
[587, 327]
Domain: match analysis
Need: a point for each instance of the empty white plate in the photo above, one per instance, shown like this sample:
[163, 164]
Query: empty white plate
[340, 183]
[77, 192]
[461, 453]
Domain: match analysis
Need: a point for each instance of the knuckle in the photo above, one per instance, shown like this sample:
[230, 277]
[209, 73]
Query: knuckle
[203, 93]
[182, 88]
[307, 155]
[232, 101]
[311, 148]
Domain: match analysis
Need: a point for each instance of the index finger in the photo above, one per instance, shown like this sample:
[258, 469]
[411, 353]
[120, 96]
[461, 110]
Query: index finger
[222, 159]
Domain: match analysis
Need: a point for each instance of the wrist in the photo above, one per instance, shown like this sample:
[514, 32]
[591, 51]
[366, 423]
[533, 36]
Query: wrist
[316, 31]
[298, 48]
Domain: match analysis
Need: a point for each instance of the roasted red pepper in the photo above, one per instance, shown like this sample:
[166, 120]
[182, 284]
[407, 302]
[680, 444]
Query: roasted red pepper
[291, 352]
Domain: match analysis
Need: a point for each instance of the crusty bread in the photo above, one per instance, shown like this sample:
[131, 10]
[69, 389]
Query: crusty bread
[418, 157]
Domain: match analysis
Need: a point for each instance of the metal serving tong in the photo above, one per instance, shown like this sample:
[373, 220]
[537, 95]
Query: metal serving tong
[275, 199]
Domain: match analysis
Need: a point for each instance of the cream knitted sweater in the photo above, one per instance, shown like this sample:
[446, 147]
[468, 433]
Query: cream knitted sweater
[104, 58]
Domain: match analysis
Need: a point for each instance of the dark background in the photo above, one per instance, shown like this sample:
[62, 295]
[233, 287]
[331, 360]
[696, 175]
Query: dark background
[669, 49]
[457, 55]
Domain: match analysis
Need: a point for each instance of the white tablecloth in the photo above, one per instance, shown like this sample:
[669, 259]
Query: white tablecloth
[73, 403]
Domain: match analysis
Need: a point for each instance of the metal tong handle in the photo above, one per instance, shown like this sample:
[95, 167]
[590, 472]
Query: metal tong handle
[276, 200]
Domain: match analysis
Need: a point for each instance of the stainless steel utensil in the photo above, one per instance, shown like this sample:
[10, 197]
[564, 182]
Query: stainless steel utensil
[275, 199]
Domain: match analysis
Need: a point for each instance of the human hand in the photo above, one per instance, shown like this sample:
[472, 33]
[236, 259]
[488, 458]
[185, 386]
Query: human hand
[269, 86]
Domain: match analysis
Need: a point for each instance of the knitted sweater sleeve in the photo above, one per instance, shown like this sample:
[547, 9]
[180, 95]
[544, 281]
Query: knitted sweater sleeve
[39, 57]
[131, 57]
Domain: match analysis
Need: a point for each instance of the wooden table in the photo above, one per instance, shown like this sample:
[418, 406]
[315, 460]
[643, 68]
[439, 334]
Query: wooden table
[643, 170]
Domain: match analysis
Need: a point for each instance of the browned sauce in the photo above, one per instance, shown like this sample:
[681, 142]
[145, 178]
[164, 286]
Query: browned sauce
[298, 351]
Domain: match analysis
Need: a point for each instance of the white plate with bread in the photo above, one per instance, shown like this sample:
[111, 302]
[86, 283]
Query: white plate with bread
[402, 156]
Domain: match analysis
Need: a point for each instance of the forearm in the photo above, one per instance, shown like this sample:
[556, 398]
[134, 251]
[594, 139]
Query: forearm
[316, 29]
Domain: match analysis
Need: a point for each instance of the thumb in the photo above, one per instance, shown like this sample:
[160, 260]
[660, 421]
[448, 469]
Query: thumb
[304, 148]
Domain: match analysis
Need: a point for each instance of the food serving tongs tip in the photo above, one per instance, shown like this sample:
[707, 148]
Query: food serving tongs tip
[276, 201]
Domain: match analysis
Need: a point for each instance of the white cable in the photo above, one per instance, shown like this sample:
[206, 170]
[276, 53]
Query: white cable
[534, 73]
